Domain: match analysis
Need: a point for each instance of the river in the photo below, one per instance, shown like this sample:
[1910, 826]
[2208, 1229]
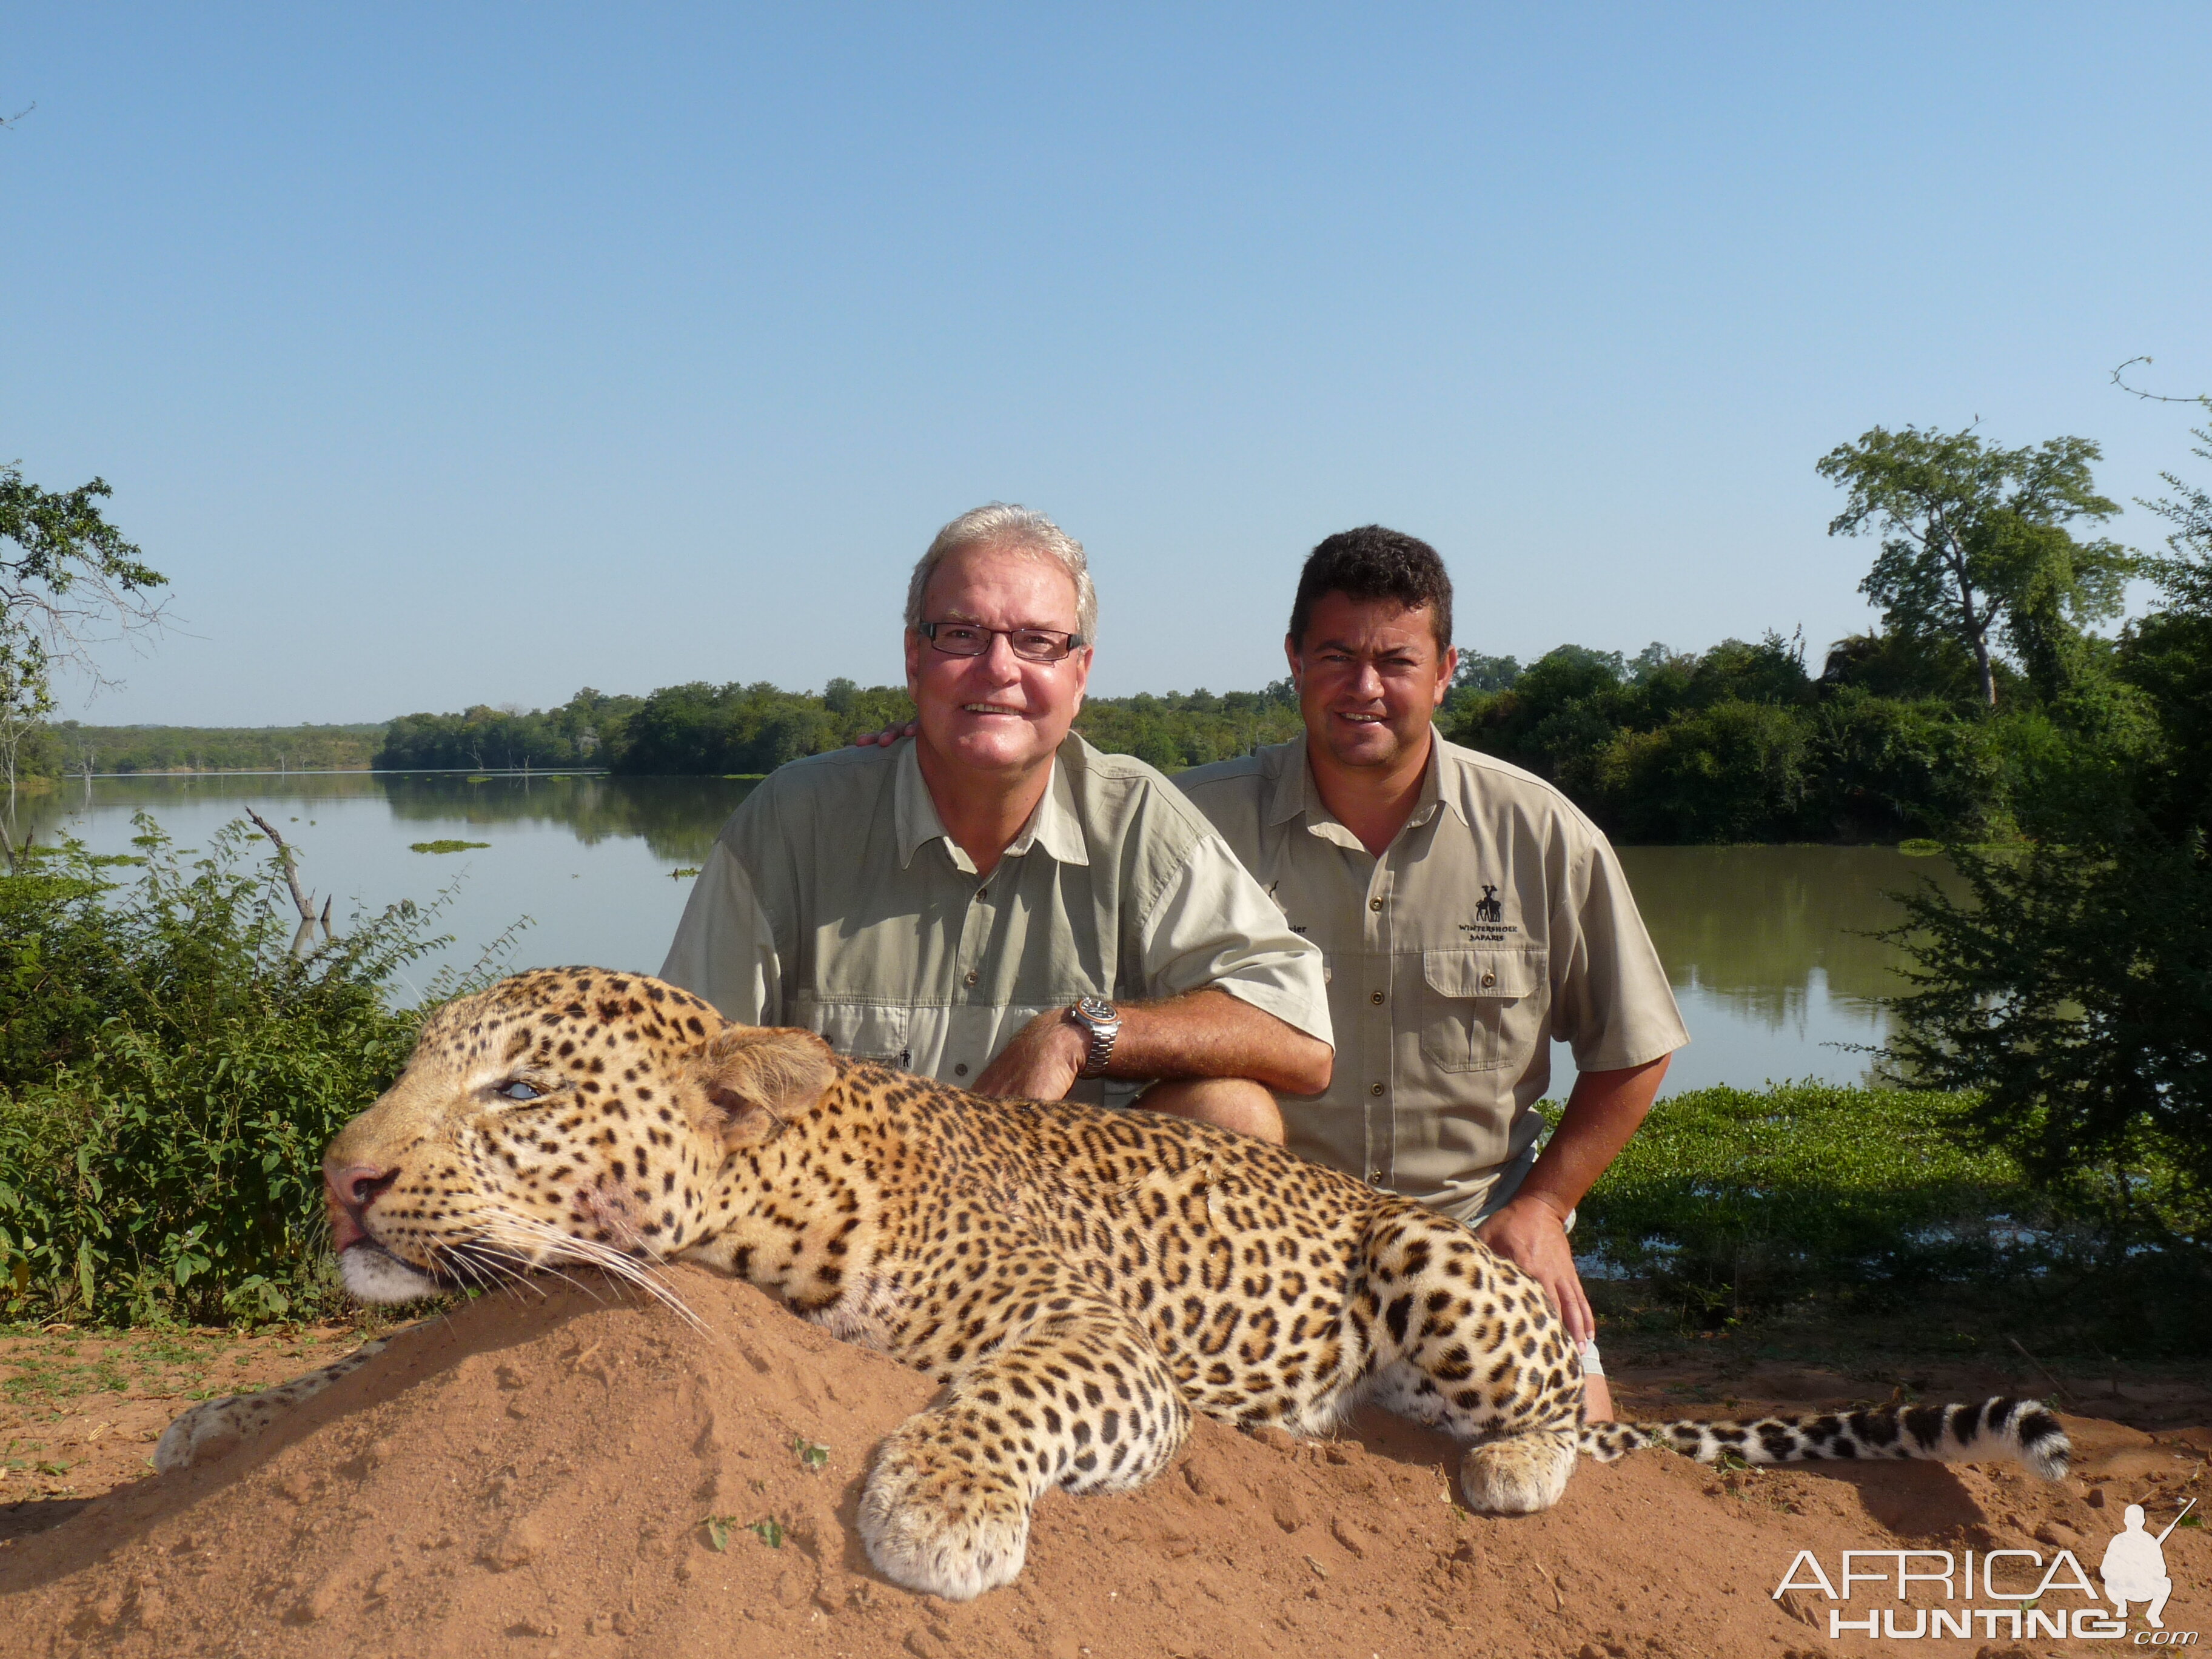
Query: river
[1769, 948]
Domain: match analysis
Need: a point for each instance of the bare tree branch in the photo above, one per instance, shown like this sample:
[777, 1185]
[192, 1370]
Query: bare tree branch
[285, 856]
[2147, 397]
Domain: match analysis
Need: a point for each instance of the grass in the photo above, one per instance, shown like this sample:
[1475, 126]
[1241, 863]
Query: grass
[1815, 1203]
[57, 1371]
[447, 845]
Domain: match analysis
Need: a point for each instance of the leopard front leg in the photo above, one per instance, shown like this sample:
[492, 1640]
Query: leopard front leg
[213, 1427]
[1078, 1397]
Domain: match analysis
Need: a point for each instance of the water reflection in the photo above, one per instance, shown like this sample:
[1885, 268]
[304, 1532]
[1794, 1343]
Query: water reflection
[1769, 948]
[676, 818]
[1758, 927]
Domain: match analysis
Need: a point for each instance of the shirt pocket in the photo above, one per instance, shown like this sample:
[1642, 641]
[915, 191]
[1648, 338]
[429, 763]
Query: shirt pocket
[1482, 1009]
[862, 1031]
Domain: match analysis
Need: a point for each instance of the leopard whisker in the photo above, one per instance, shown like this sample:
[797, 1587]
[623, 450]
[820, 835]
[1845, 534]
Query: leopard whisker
[552, 1243]
[491, 1271]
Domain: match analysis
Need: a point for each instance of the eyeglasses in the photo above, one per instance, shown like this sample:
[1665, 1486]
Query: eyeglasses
[959, 638]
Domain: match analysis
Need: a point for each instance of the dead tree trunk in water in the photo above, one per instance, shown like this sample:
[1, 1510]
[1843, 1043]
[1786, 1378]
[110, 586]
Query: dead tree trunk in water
[301, 901]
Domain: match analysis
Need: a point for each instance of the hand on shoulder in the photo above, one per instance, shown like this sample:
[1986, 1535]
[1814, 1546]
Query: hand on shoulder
[888, 736]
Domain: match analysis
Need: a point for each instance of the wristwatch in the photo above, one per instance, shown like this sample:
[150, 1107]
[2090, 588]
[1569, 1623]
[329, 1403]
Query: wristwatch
[1102, 1021]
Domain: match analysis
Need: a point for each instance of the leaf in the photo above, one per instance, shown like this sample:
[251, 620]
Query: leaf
[770, 1531]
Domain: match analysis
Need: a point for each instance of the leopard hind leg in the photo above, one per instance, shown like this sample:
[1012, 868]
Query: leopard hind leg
[1471, 1345]
[1078, 1399]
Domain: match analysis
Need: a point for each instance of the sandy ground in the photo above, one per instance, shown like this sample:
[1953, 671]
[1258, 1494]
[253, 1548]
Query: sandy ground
[79, 1413]
[580, 1475]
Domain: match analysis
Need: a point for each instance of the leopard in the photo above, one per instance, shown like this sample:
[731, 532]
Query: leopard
[1078, 1280]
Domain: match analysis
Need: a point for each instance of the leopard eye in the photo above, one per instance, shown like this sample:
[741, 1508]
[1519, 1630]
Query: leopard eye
[519, 1090]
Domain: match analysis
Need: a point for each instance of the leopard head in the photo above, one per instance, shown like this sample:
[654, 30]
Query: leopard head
[568, 1115]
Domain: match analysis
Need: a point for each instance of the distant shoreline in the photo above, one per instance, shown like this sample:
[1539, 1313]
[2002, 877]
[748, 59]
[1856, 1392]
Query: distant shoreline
[344, 771]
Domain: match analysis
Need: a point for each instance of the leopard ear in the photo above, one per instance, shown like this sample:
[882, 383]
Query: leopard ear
[761, 1077]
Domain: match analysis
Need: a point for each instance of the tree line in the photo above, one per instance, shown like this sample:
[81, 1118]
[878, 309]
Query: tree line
[69, 747]
[1928, 725]
[744, 729]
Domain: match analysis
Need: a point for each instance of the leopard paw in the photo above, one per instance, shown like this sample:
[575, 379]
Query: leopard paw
[1521, 1474]
[203, 1434]
[935, 1524]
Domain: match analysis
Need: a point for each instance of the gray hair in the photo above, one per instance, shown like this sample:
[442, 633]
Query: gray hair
[1019, 530]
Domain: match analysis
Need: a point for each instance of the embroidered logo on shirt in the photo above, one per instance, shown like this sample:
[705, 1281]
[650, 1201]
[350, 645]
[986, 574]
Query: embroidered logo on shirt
[1489, 925]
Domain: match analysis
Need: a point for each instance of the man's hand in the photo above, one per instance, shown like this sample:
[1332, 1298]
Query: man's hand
[1200, 1034]
[1532, 1236]
[1530, 1230]
[1041, 1062]
[887, 736]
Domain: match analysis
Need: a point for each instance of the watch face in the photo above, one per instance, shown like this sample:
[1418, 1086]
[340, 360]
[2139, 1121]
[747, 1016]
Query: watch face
[1096, 1008]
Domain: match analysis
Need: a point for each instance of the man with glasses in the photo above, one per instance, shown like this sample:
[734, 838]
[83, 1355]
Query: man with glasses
[1470, 915]
[996, 904]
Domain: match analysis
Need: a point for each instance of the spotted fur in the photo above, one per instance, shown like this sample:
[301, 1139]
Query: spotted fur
[1079, 1279]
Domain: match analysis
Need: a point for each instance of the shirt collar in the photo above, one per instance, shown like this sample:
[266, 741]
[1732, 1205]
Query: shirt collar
[1294, 794]
[1052, 829]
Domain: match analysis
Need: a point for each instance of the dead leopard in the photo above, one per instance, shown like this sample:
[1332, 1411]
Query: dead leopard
[1080, 1279]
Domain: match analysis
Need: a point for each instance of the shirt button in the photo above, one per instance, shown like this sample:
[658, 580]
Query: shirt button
[1374, 904]
[1374, 1088]
[983, 893]
[1490, 979]
[961, 1070]
[1377, 998]
[973, 976]
[1375, 1177]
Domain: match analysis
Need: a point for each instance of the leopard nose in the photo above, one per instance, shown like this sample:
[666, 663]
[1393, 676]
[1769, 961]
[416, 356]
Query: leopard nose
[357, 1186]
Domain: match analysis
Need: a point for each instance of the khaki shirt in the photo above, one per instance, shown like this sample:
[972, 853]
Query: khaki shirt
[834, 899]
[1498, 921]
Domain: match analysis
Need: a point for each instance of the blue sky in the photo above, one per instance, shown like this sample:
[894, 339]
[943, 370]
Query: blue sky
[451, 354]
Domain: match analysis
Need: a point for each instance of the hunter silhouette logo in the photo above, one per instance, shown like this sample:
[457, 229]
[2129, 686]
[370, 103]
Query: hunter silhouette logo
[2134, 1567]
[1489, 908]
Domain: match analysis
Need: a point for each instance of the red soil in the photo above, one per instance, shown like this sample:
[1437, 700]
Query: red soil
[533, 1478]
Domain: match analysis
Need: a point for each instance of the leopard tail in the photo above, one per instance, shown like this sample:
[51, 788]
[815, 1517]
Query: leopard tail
[2024, 1432]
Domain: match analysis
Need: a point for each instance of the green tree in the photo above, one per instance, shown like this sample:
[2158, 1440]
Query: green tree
[66, 576]
[1479, 674]
[1974, 539]
[2072, 984]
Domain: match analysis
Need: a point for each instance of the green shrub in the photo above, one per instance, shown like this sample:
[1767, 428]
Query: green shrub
[170, 1073]
[1734, 1202]
[1887, 767]
[1765, 1197]
[1732, 772]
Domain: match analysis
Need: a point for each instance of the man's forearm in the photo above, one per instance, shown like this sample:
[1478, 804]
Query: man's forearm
[1603, 1111]
[1212, 1033]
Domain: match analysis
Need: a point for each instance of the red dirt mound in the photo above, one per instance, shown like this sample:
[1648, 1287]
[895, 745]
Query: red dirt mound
[582, 1475]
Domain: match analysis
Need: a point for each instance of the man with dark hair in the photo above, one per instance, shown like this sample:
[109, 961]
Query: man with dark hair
[1468, 916]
